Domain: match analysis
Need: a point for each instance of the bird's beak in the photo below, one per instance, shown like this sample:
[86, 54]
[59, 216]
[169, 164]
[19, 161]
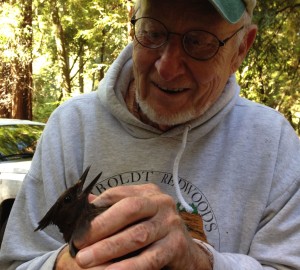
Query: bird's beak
[88, 189]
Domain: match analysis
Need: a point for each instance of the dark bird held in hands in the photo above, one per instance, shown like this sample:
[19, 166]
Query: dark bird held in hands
[72, 213]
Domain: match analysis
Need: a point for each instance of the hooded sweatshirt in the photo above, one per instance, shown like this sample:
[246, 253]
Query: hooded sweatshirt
[238, 164]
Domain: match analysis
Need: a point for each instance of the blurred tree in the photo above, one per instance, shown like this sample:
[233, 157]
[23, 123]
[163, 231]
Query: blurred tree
[271, 72]
[16, 59]
[75, 41]
[62, 49]
[73, 44]
[88, 36]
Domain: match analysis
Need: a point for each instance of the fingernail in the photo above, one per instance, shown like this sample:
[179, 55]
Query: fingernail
[85, 257]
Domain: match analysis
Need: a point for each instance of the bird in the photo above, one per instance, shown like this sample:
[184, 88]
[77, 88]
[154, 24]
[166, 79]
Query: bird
[72, 213]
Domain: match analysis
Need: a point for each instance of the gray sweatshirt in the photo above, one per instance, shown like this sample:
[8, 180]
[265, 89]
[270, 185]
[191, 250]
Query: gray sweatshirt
[239, 168]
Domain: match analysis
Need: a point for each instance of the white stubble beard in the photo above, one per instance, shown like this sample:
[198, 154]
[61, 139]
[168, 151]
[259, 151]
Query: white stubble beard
[168, 120]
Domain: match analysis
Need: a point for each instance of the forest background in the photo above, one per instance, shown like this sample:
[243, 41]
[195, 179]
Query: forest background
[51, 50]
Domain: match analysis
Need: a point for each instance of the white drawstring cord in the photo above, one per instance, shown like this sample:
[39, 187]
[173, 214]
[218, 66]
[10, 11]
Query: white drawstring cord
[187, 207]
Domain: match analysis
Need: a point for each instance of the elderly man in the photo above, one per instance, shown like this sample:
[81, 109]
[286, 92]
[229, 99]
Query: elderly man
[171, 135]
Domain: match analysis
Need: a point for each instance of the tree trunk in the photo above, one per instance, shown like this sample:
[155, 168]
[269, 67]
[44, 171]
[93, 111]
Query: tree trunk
[81, 69]
[62, 52]
[102, 56]
[22, 92]
[16, 73]
[5, 90]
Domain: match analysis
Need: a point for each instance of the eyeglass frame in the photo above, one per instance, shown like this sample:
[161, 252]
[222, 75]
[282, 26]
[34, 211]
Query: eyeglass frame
[222, 43]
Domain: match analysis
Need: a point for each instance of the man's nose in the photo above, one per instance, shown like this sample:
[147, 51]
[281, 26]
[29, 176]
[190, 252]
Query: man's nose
[171, 62]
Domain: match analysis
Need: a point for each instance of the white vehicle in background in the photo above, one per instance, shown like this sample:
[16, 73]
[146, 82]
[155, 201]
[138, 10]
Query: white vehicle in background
[18, 140]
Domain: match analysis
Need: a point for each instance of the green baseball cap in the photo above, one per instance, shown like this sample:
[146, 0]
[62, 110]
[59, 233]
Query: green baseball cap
[233, 10]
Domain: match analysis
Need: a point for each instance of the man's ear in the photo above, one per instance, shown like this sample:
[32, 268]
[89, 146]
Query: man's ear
[244, 47]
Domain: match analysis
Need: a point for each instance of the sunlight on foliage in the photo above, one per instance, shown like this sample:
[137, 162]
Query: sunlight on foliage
[75, 41]
[271, 73]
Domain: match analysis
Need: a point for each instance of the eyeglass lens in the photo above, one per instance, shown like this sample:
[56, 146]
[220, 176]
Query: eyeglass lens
[151, 33]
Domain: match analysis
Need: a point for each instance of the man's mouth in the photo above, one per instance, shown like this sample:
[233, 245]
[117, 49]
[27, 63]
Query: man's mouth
[170, 90]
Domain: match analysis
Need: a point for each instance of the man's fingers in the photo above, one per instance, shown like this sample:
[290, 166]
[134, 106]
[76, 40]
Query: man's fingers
[117, 194]
[120, 215]
[65, 262]
[154, 257]
[130, 242]
[91, 197]
[142, 229]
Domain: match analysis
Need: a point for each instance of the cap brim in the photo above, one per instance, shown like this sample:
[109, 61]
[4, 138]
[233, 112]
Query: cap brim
[231, 10]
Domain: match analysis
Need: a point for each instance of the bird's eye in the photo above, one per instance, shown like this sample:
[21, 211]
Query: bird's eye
[67, 199]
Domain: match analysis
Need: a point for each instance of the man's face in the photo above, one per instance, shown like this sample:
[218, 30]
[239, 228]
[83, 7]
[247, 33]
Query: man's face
[172, 87]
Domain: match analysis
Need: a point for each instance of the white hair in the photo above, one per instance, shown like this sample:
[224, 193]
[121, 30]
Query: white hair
[246, 21]
[137, 5]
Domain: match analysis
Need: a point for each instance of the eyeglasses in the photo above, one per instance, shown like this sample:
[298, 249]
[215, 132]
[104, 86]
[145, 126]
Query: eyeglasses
[198, 44]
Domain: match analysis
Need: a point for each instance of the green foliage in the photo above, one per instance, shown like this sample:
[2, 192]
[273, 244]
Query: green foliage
[46, 92]
[270, 74]
[15, 57]
[19, 139]
[94, 32]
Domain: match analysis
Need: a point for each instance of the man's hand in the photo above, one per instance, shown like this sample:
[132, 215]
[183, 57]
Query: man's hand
[64, 261]
[141, 218]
